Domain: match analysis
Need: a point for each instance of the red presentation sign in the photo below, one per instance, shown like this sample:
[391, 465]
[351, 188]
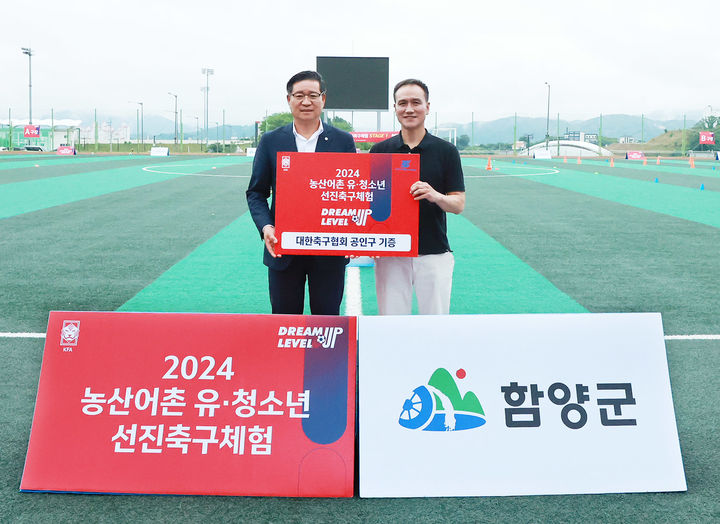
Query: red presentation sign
[707, 137]
[635, 155]
[372, 136]
[344, 204]
[31, 131]
[195, 404]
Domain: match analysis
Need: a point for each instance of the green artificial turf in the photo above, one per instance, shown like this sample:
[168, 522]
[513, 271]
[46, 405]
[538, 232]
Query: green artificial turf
[123, 238]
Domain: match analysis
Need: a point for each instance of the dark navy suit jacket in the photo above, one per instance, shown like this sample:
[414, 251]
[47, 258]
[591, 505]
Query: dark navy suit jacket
[262, 181]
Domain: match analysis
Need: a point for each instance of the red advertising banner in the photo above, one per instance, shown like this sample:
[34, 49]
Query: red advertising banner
[163, 403]
[707, 137]
[345, 204]
[66, 150]
[31, 131]
[372, 136]
[635, 155]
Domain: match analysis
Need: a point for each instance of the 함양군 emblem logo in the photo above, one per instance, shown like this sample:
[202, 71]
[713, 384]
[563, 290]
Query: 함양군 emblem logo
[438, 405]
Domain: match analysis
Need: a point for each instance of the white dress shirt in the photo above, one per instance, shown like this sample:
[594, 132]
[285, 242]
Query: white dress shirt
[307, 145]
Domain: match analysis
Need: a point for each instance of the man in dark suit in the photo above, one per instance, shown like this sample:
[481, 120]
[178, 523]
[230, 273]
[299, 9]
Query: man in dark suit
[287, 274]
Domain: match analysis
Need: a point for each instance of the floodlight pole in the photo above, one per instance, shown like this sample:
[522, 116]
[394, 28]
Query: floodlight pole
[472, 129]
[207, 72]
[547, 126]
[142, 125]
[642, 128]
[27, 51]
[176, 115]
[223, 142]
[197, 129]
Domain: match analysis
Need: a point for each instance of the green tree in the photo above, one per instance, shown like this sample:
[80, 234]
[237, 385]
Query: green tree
[274, 121]
[281, 119]
[463, 141]
[341, 123]
[709, 123]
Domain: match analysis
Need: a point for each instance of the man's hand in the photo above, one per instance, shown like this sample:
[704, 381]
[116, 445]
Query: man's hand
[453, 202]
[270, 240]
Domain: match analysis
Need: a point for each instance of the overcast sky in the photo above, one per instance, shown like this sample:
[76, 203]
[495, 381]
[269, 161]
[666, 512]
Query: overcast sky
[653, 57]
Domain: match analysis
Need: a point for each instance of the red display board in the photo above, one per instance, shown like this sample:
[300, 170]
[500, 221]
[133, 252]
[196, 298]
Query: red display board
[372, 136]
[707, 137]
[195, 404]
[66, 150]
[344, 204]
[634, 155]
[31, 131]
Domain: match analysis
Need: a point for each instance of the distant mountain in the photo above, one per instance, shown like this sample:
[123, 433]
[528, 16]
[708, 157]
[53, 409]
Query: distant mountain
[500, 130]
[615, 126]
[160, 127]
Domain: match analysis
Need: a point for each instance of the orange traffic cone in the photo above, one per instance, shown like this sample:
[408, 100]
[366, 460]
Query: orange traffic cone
[579, 161]
[692, 162]
[564, 160]
[489, 165]
[612, 162]
[658, 161]
[645, 161]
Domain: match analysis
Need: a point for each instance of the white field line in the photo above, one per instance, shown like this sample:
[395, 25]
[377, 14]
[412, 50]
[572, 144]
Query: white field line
[353, 292]
[543, 171]
[150, 169]
[692, 337]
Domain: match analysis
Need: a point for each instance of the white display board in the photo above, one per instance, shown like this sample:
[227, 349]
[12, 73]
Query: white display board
[159, 151]
[543, 154]
[482, 405]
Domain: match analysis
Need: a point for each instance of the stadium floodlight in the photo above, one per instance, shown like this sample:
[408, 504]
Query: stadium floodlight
[207, 72]
[176, 115]
[547, 126]
[29, 52]
[142, 125]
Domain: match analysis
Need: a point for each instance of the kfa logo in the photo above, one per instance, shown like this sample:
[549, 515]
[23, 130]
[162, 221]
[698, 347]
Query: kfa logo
[303, 337]
[439, 406]
[285, 162]
[70, 333]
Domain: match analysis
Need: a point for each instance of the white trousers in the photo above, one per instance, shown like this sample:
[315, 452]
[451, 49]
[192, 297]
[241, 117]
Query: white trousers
[429, 275]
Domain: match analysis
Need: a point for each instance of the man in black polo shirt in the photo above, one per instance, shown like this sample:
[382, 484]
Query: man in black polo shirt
[441, 189]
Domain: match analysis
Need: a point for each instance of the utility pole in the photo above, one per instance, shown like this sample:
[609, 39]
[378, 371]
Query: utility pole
[197, 130]
[547, 125]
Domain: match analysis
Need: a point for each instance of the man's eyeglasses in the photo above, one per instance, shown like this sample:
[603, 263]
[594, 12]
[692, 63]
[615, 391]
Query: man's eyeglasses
[314, 97]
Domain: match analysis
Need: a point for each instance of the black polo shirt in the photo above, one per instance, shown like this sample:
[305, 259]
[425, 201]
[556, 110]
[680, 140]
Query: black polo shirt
[441, 168]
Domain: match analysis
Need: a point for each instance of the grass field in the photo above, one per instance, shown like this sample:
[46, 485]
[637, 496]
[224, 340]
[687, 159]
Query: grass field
[134, 233]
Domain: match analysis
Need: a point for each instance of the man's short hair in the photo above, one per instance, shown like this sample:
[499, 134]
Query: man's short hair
[306, 75]
[412, 82]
